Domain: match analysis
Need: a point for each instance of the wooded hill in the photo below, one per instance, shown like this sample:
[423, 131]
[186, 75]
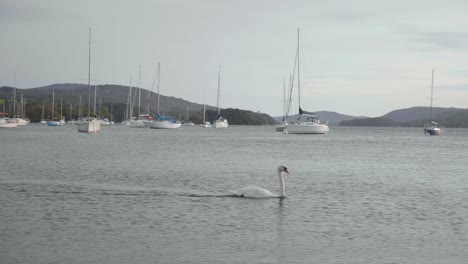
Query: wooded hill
[113, 100]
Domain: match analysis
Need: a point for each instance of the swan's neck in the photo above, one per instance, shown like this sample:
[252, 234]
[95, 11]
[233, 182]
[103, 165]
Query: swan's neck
[282, 192]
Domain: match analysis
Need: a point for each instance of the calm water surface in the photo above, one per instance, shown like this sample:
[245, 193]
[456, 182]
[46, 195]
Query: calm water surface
[356, 195]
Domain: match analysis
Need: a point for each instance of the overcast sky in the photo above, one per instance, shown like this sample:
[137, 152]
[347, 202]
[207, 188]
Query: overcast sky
[357, 57]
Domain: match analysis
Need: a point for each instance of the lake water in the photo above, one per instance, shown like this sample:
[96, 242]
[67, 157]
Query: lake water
[355, 195]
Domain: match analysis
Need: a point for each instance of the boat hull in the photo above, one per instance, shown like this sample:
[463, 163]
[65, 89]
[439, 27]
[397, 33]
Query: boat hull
[432, 131]
[7, 123]
[54, 123]
[136, 124]
[93, 126]
[306, 128]
[206, 125]
[21, 121]
[220, 124]
[280, 127]
[162, 125]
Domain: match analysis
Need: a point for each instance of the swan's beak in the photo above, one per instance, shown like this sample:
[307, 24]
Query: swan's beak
[286, 170]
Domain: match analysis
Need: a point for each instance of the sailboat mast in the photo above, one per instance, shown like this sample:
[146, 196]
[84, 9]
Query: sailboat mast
[53, 102]
[139, 91]
[432, 95]
[219, 80]
[71, 109]
[130, 107]
[42, 116]
[94, 108]
[159, 71]
[14, 96]
[80, 109]
[204, 111]
[89, 75]
[284, 100]
[298, 72]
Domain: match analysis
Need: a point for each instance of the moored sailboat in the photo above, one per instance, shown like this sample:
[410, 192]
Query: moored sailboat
[432, 128]
[53, 121]
[281, 126]
[91, 124]
[307, 123]
[6, 122]
[162, 122]
[221, 122]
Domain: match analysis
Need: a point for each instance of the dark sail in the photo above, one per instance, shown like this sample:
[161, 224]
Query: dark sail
[301, 112]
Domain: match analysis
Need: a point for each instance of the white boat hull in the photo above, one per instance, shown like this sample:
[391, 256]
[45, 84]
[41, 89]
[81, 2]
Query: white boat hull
[93, 126]
[280, 127]
[7, 123]
[432, 131]
[206, 125]
[220, 124]
[162, 125]
[21, 121]
[306, 128]
[136, 124]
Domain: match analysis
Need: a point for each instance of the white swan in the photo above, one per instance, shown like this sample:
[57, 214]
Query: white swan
[259, 192]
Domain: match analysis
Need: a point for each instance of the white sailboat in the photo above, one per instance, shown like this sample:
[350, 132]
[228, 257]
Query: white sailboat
[432, 128]
[281, 126]
[187, 121]
[206, 124]
[220, 122]
[62, 120]
[90, 125]
[162, 122]
[307, 123]
[43, 121]
[21, 119]
[6, 122]
[53, 121]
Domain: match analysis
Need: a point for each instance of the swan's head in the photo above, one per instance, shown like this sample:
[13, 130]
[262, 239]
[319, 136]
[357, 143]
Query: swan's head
[282, 168]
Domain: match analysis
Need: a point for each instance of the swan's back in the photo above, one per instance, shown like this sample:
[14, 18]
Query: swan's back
[253, 192]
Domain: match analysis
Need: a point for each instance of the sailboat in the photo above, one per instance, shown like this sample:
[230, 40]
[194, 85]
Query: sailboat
[53, 121]
[187, 121]
[281, 126]
[220, 122]
[6, 122]
[162, 122]
[62, 120]
[132, 121]
[70, 120]
[90, 125]
[307, 123]
[43, 121]
[206, 124]
[432, 128]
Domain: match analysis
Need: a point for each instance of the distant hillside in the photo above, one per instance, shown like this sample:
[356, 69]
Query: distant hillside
[415, 117]
[114, 99]
[374, 121]
[333, 118]
[416, 113]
